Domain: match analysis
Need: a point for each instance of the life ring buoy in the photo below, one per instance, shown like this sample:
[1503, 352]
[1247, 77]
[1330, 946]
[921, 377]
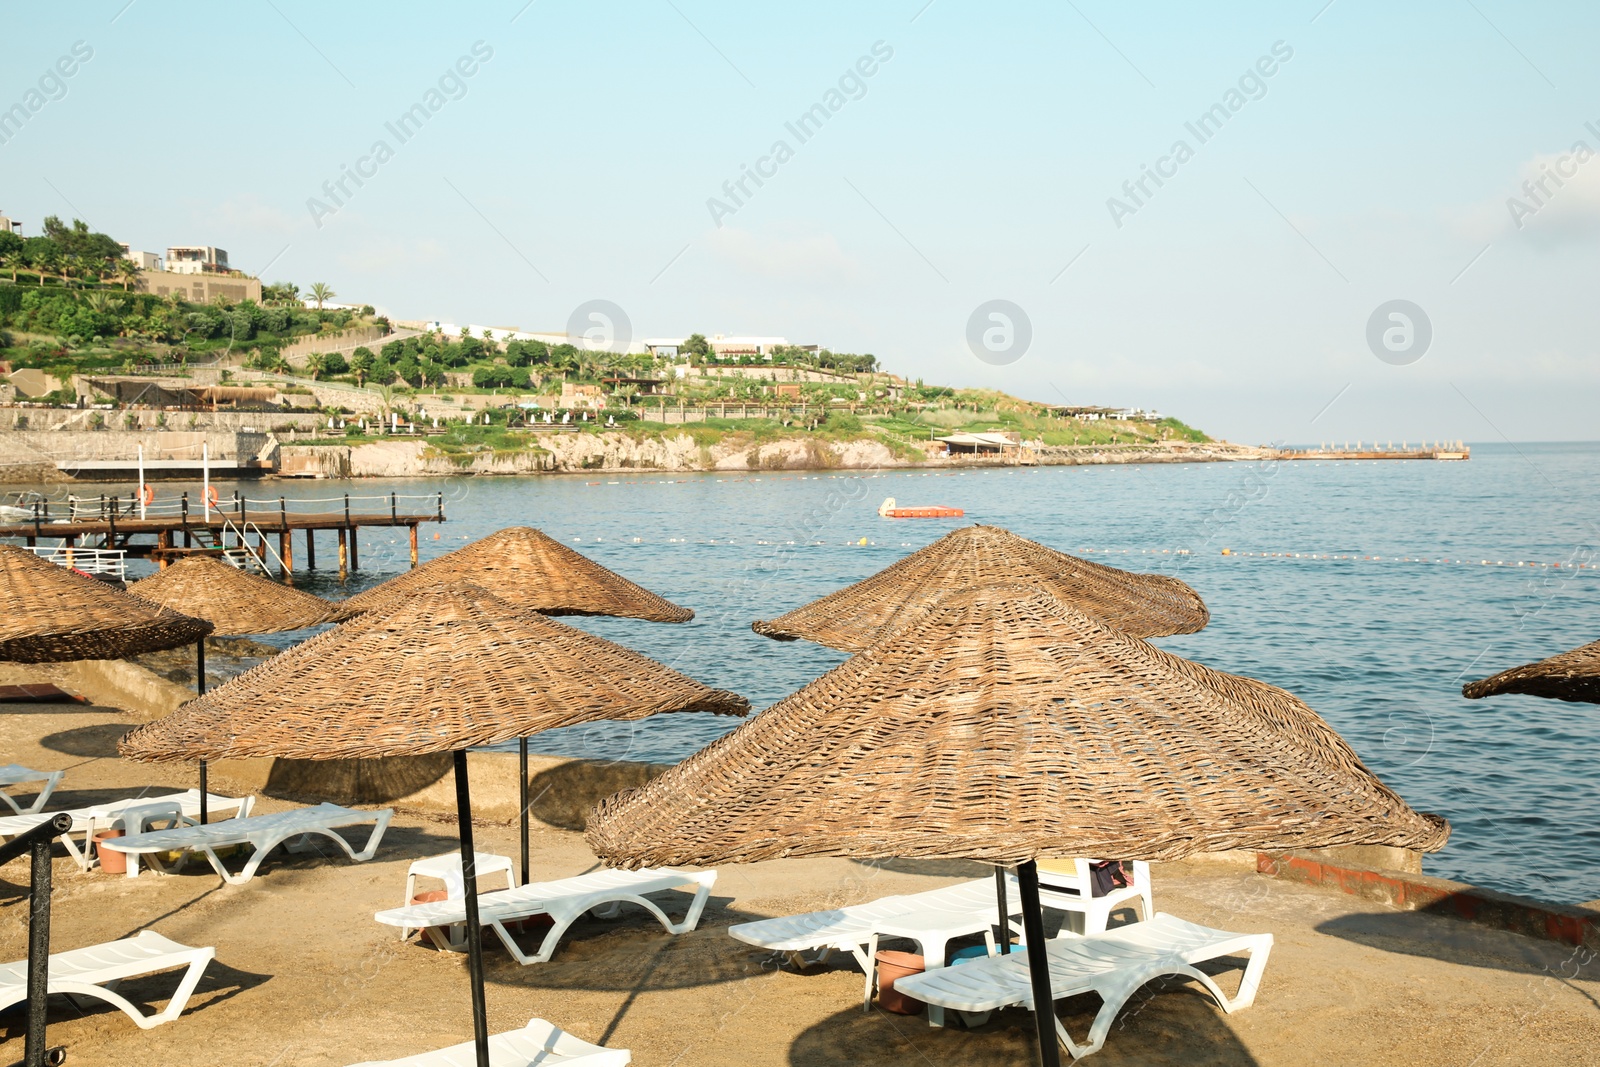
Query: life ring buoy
[147, 495]
[211, 495]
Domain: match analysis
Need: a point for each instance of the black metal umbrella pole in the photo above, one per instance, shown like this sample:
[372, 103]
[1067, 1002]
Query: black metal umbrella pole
[469, 883]
[1044, 1005]
[36, 841]
[522, 796]
[200, 677]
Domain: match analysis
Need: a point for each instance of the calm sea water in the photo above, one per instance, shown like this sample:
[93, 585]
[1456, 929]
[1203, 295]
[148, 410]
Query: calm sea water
[1380, 647]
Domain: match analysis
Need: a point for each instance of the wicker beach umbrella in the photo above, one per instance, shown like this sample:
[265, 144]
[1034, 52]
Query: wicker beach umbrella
[48, 614]
[1144, 605]
[534, 571]
[541, 574]
[1573, 676]
[234, 602]
[1001, 725]
[442, 670]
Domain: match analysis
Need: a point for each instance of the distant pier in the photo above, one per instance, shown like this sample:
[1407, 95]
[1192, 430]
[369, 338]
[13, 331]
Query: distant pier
[237, 527]
[1441, 450]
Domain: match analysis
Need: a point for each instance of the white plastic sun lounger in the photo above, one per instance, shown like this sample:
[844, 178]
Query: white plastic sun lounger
[603, 892]
[931, 919]
[1113, 964]
[262, 833]
[1066, 885]
[17, 774]
[539, 1044]
[95, 972]
[104, 816]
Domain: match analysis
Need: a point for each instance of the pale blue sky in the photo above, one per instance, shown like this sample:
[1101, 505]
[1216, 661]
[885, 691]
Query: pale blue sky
[578, 161]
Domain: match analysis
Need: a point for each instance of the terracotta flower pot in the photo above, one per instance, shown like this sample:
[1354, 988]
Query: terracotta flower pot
[891, 967]
[111, 861]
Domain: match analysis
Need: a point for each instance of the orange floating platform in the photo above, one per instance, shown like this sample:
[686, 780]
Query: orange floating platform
[890, 510]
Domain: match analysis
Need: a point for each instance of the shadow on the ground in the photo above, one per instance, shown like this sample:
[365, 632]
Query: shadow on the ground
[632, 952]
[149, 993]
[1442, 938]
[89, 742]
[932, 868]
[1170, 1020]
[562, 796]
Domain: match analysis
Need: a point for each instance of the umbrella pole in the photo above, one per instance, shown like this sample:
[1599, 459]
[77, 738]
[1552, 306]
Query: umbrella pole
[469, 883]
[1004, 909]
[522, 785]
[1044, 1005]
[200, 676]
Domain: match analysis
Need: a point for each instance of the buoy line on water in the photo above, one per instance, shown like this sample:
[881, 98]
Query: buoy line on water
[1308, 557]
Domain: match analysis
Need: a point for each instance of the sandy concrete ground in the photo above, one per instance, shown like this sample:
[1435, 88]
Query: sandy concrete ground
[304, 977]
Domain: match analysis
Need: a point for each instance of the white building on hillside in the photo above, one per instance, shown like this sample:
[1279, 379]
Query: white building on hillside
[9, 225]
[725, 346]
[142, 260]
[197, 259]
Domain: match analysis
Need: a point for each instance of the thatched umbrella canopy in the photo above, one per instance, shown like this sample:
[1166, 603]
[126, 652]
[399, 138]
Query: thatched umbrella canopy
[235, 602]
[1573, 676]
[536, 572]
[540, 574]
[1001, 725]
[48, 614]
[1144, 605]
[441, 670]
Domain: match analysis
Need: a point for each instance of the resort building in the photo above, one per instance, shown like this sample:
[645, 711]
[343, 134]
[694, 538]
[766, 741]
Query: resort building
[725, 346]
[574, 395]
[142, 260]
[9, 225]
[990, 443]
[197, 259]
[200, 288]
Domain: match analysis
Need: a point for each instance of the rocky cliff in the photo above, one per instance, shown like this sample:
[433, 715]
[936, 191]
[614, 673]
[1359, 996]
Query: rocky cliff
[559, 453]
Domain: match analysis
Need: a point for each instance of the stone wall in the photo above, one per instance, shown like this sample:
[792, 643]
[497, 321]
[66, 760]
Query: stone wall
[32, 455]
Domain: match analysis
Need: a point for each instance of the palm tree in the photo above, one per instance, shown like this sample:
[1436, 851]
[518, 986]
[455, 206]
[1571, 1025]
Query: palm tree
[45, 259]
[320, 292]
[128, 272]
[14, 261]
[316, 365]
[103, 303]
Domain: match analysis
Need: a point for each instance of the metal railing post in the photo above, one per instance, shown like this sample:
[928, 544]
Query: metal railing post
[347, 509]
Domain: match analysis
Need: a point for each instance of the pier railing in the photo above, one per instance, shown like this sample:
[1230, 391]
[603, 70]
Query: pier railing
[237, 507]
[108, 561]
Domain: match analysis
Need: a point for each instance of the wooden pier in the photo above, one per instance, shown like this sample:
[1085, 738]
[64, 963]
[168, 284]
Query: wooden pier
[1448, 450]
[171, 530]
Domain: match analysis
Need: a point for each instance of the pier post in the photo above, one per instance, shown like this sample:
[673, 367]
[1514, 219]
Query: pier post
[413, 544]
[286, 551]
[311, 549]
[355, 549]
[343, 554]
